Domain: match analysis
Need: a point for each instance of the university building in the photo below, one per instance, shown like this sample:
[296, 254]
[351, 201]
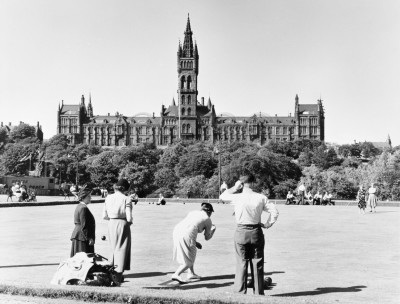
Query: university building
[188, 118]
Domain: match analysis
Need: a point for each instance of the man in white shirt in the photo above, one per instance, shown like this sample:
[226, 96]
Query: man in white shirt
[249, 237]
[289, 198]
[317, 199]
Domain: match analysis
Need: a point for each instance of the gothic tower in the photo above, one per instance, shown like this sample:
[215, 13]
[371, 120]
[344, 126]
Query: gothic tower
[188, 70]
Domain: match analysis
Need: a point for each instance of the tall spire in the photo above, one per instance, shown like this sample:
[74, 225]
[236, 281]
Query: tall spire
[188, 42]
[389, 141]
[90, 107]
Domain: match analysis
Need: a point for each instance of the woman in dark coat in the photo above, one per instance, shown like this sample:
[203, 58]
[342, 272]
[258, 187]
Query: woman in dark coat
[83, 236]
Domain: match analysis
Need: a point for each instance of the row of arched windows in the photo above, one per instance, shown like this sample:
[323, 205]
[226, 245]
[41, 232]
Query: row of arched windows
[187, 64]
[186, 128]
[187, 99]
[186, 82]
[187, 112]
[69, 121]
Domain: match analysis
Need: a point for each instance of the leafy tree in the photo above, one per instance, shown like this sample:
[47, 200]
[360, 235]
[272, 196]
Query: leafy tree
[325, 158]
[197, 161]
[369, 150]
[196, 185]
[140, 177]
[283, 188]
[22, 131]
[16, 159]
[103, 170]
[353, 150]
[166, 178]
[212, 188]
[3, 138]
[267, 167]
[171, 156]
[305, 158]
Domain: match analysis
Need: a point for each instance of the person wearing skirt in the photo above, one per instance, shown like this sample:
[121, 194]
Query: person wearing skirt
[118, 211]
[83, 236]
[361, 199]
[372, 198]
[185, 244]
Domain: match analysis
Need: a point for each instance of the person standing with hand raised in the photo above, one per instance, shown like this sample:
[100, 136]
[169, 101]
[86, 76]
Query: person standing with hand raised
[249, 237]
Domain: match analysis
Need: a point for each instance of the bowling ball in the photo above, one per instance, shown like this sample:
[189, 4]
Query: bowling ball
[267, 282]
[103, 237]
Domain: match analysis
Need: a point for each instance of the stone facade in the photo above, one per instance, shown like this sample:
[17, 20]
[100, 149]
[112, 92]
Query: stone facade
[188, 119]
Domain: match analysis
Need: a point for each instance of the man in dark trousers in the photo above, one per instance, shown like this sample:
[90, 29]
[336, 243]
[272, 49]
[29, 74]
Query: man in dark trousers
[249, 237]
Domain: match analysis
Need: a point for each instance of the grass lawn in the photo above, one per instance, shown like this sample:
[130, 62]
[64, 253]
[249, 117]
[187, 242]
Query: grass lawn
[314, 254]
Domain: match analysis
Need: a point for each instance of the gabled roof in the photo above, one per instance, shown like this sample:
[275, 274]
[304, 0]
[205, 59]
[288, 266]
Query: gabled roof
[203, 111]
[308, 109]
[171, 111]
[381, 144]
[70, 109]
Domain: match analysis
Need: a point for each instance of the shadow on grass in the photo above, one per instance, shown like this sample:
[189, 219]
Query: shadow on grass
[273, 272]
[321, 290]
[145, 275]
[29, 265]
[189, 286]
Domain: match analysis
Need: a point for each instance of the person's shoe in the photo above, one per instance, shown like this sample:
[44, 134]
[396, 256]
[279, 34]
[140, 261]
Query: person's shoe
[177, 278]
[193, 277]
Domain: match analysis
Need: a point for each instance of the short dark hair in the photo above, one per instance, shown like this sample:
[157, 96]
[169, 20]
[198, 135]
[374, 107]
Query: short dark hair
[122, 185]
[207, 207]
[247, 179]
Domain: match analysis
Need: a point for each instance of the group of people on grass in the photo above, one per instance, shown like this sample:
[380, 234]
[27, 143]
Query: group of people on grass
[364, 198]
[306, 198]
[248, 239]
[21, 192]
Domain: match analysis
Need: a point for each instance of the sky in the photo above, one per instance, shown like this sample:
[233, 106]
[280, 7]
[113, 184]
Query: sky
[255, 56]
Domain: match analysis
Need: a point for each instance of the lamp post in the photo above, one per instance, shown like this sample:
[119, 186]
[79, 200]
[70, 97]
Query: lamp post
[76, 155]
[217, 152]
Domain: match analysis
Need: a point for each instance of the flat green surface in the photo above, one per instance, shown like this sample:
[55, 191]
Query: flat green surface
[317, 254]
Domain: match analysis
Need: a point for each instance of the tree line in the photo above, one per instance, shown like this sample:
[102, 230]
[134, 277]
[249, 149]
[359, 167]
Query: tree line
[193, 168]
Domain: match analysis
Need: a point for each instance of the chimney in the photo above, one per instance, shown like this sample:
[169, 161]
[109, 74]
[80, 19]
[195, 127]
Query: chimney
[276, 115]
[153, 115]
[202, 101]
[1, 123]
[290, 114]
[9, 124]
[108, 114]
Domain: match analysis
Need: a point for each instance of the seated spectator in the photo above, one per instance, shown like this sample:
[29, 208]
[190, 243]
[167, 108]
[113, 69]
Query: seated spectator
[17, 192]
[327, 199]
[308, 198]
[290, 198]
[161, 200]
[103, 192]
[317, 199]
[24, 195]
